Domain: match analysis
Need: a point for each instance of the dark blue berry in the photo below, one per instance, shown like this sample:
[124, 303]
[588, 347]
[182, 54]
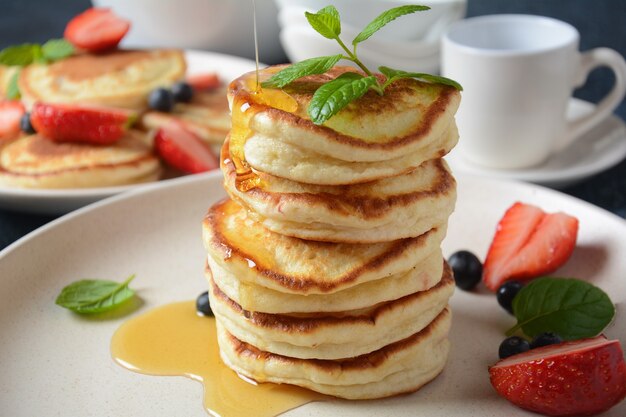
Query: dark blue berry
[26, 125]
[182, 92]
[545, 339]
[467, 269]
[507, 292]
[512, 346]
[202, 304]
[161, 99]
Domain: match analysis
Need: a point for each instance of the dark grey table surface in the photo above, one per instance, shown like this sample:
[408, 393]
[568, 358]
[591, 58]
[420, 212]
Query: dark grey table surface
[600, 22]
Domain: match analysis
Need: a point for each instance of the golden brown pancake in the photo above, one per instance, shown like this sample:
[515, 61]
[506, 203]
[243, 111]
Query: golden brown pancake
[36, 162]
[117, 79]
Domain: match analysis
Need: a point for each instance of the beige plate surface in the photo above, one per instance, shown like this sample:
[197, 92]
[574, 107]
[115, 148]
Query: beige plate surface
[66, 200]
[54, 363]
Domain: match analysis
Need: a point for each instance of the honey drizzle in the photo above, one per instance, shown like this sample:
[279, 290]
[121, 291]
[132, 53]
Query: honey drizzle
[172, 340]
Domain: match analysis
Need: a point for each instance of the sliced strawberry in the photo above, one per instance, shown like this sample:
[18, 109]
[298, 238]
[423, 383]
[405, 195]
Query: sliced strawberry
[81, 123]
[528, 243]
[578, 378]
[204, 81]
[183, 150]
[96, 29]
[11, 112]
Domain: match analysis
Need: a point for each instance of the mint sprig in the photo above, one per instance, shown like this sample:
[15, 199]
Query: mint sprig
[572, 308]
[333, 96]
[89, 296]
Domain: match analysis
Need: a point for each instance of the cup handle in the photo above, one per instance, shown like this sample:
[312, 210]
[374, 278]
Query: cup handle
[590, 60]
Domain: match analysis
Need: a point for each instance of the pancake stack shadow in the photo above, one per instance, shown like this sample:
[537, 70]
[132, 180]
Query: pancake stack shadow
[325, 267]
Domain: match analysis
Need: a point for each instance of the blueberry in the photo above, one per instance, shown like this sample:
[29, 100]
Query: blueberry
[507, 292]
[26, 125]
[467, 269]
[202, 304]
[161, 99]
[512, 346]
[182, 92]
[545, 339]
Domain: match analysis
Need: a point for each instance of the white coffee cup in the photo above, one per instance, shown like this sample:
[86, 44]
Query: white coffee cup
[518, 73]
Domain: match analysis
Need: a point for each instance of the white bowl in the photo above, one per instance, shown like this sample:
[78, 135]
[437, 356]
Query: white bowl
[358, 13]
[216, 25]
[303, 42]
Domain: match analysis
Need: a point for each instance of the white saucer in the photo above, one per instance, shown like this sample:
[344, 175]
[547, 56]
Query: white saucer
[582, 160]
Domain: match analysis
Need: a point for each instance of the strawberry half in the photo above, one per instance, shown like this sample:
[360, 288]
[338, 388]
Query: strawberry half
[11, 112]
[80, 123]
[183, 150]
[528, 243]
[578, 378]
[204, 81]
[96, 29]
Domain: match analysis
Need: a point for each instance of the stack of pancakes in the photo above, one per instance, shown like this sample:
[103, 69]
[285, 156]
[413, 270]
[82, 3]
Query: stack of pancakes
[324, 266]
[119, 79]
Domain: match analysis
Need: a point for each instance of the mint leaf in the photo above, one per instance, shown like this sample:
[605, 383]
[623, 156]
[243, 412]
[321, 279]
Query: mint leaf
[333, 96]
[394, 74]
[326, 22]
[20, 55]
[56, 49]
[572, 308]
[301, 69]
[13, 90]
[94, 296]
[384, 18]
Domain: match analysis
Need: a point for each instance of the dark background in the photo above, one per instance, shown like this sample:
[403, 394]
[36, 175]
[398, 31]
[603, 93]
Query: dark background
[600, 22]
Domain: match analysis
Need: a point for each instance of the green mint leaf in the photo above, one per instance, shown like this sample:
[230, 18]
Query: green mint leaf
[19, 55]
[394, 74]
[94, 296]
[56, 49]
[384, 18]
[301, 69]
[326, 22]
[13, 90]
[572, 308]
[333, 96]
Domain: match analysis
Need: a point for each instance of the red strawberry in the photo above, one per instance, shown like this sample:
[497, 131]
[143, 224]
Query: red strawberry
[578, 378]
[96, 29]
[183, 150]
[528, 243]
[80, 123]
[11, 112]
[204, 81]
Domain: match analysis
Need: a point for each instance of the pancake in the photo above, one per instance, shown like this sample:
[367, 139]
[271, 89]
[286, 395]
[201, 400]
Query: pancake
[400, 367]
[116, 79]
[409, 117]
[36, 162]
[339, 335]
[421, 277]
[254, 254]
[207, 115]
[389, 209]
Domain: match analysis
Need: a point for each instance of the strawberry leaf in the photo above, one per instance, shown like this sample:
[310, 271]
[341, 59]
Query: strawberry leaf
[572, 308]
[384, 18]
[394, 74]
[13, 89]
[301, 69]
[90, 296]
[19, 55]
[326, 22]
[56, 49]
[333, 96]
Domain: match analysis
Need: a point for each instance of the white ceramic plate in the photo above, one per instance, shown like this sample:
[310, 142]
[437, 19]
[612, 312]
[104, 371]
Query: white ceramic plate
[596, 151]
[66, 200]
[55, 363]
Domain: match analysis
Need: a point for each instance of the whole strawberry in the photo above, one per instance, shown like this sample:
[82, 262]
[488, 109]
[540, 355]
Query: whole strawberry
[578, 378]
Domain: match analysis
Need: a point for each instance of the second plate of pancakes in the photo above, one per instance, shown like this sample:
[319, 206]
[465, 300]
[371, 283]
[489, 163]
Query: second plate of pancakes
[59, 201]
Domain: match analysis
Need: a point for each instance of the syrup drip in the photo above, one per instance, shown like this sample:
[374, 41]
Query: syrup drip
[173, 340]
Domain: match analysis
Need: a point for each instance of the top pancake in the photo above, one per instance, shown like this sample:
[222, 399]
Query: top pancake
[410, 116]
[117, 79]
